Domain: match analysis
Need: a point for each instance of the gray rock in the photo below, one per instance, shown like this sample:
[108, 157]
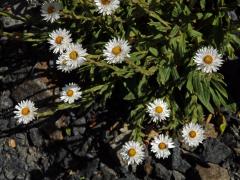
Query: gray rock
[229, 140]
[1, 164]
[177, 175]
[21, 177]
[35, 137]
[213, 172]
[215, 151]
[178, 163]
[13, 167]
[82, 130]
[15, 76]
[129, 177]
[21, 139]
[108, 174]
[233, 15]
[5, 100]
[2, 176]
[36, 87]
[12, 123]
[79, 130]
[3, 123]
[3, 69]
[161, 172]
[80, 121]
[91, 168]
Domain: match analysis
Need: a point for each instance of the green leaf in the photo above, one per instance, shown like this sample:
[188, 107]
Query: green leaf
[202, 4]
[154, 51]
[231, 107]
[68, 131]
[182, 44]
[220, 88]
[193, 33]
[139, 108]
[215, 98]
[129, 96]
[174, 31]
[141, 85]
[177, 10]
[223, 125]
[175, 73]
[189, 82]
[156, 16]
[163, 74]
[201, 88]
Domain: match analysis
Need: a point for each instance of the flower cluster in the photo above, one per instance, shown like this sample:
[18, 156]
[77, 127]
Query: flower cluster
[193, 135]
[72, 55]
[133, 152]
[116, 50]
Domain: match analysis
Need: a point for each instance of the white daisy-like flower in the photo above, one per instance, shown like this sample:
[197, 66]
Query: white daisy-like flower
[161, 145]
[71, 93]
[193, 134]
[59, 40]
[116, 50]
[50, 10]
[62, 64]
[25, 112]
[107, 7]
[132, 152]
[158, 110]
[208, 59]
[75, 55]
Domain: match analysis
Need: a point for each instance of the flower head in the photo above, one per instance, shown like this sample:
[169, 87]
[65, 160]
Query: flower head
[132, 152]
[25, 112]
[60, 40]
[116, 50]
[158, 110]
[161, 145]
[107, 7]
[50, 10]
[193, 134]
[63, 65]
[75, 55]
[71, 93]
[208, 59]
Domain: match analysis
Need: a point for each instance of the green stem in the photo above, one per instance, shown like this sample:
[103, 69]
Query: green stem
[144, 71]
[28, 37]
[60, 107]
[7, 14]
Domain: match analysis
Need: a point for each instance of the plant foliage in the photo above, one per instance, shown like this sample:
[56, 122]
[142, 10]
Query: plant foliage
[164, 36]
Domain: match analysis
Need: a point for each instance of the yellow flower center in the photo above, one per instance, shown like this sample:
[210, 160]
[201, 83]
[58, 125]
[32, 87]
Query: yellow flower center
[162, 145]
[158, 109]
[58, 40]
[70, 93]
[50, 9]
[132, 152]
[192, 134]
[105, 2]
[73, 55]
[208, 59]
[116, 50]
[25, 111]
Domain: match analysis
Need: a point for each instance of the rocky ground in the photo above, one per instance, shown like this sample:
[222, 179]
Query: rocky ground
[70, 145]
